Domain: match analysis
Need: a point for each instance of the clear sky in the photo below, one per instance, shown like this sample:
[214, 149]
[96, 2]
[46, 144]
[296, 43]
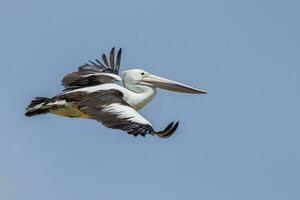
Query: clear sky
[241, 141]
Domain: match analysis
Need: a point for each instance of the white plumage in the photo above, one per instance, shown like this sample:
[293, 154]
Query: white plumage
[125, 112]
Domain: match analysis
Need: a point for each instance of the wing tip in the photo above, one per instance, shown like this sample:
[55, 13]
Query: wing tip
[168, 131]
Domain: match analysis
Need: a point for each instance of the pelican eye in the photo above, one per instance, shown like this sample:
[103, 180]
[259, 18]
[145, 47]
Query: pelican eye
[143, 73]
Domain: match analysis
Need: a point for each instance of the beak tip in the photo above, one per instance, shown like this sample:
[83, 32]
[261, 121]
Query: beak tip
[202, 92]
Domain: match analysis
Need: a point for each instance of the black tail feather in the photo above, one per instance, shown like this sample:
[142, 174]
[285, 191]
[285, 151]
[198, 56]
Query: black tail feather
[40, 102]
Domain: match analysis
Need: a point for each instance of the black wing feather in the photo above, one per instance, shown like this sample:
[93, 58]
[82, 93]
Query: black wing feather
[88, 74]
[112, 58]
[105, 60]
[118, 59]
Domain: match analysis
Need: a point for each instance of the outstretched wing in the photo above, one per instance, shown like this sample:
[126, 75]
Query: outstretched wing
[109, 108]
[95, 73]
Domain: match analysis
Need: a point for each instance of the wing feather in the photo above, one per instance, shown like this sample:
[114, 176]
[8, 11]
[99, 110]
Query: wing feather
[119, 59]
[105, 60]
[109, 108]
[93, 73]
[112, 58]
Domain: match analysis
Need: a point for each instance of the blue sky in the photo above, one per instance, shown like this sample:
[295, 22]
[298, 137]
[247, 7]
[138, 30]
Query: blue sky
[241, 141]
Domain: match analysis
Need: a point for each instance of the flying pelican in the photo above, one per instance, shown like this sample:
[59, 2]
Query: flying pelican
[95, 91]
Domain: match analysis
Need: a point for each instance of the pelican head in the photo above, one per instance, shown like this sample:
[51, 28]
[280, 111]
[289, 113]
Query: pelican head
[140, 77]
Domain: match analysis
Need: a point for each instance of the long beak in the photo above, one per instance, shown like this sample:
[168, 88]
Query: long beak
[167, 84]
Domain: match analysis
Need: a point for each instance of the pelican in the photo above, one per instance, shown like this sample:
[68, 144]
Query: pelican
[96, 91]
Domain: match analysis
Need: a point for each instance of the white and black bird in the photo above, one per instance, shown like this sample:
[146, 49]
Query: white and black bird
[96, 91]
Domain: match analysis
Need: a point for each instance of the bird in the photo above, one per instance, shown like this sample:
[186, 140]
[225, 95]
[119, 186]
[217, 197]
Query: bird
[97, 91]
